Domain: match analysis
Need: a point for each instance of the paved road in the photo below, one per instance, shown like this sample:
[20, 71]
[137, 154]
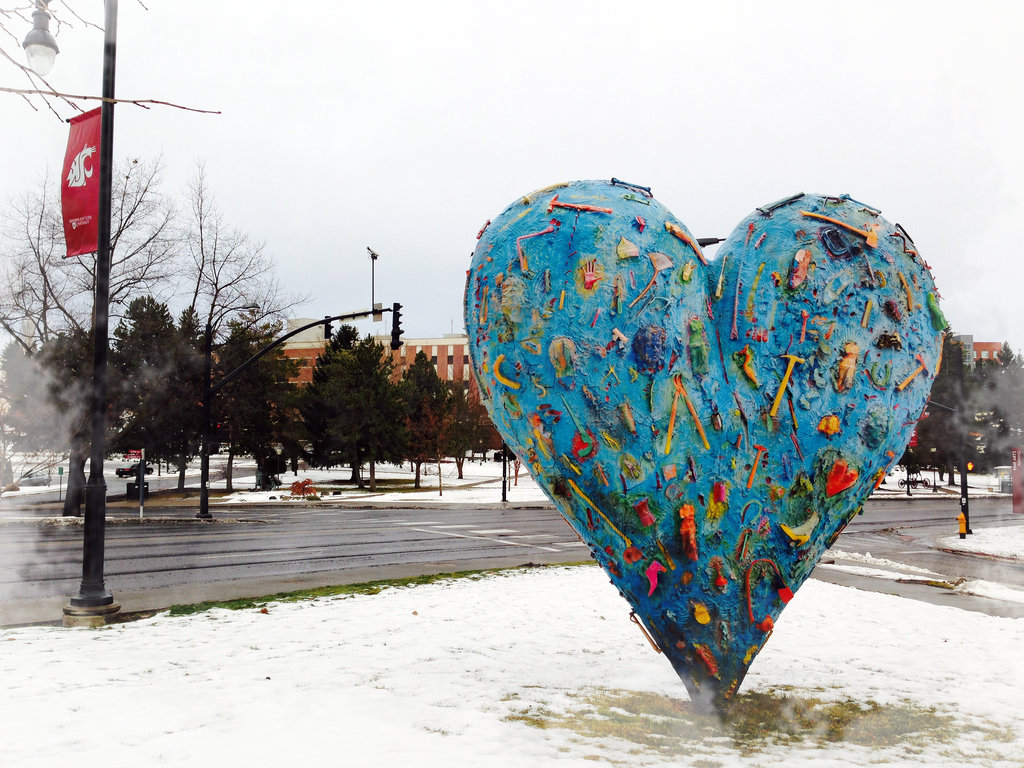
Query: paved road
[262, 550]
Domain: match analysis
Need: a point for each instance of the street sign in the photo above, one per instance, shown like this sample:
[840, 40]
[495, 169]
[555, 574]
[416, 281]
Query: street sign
[135, 453]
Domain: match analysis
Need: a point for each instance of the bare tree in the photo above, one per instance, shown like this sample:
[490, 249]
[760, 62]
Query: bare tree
[39, 296]
[42, 293]
[224, 267]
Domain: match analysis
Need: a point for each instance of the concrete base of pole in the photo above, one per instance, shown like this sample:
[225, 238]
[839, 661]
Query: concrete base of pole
[91, 616]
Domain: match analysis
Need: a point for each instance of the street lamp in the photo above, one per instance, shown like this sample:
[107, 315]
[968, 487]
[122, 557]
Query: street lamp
[93, 605]
[204, 446]
[40, 47]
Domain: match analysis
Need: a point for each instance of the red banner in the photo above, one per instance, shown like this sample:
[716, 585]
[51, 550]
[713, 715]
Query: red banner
[80, 185]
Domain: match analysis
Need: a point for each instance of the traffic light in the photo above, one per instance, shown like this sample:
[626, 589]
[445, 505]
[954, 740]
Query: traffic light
[396, 326]
[328, 332]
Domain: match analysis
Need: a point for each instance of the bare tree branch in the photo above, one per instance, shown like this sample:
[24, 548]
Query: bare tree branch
[225, 268]
[64, 17]
[68, 97]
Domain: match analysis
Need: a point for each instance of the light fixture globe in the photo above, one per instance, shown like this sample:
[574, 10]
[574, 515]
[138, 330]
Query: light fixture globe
[40, 46]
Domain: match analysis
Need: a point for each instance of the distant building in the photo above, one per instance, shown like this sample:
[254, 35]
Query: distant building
[449, 354]
[978, 350]
[305, 348]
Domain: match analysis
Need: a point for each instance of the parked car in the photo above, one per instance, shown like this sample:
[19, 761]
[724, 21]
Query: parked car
[132, 471]
[42, 477]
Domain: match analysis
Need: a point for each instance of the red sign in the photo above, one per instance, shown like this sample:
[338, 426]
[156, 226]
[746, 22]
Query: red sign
[913, 439]
[133, 454]
[1017, 479]
[80, 185]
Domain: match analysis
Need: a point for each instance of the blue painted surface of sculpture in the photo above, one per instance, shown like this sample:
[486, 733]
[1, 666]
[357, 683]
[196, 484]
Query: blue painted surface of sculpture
[707, 428]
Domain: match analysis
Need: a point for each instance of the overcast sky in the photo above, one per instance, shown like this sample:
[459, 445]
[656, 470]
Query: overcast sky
[404, 126]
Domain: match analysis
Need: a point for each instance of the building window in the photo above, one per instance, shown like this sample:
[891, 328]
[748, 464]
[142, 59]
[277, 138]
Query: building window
[984, 354]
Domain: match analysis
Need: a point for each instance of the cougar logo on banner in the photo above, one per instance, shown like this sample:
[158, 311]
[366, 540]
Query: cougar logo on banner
[80, 200]
[79, 171]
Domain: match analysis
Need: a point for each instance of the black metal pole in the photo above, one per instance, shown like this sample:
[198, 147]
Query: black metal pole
[93, 593]
[204, 445]
[964, 505]
[504, 472]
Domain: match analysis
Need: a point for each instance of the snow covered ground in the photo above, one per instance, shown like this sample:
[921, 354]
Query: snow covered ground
[518, 668]
[1001, 542]
[481, 484]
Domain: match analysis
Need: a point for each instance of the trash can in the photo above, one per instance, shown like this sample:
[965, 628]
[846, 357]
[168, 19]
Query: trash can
[1006, 486]
[133, 491]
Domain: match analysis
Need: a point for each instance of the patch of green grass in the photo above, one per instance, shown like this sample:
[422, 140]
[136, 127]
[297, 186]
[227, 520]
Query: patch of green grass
[753, 723]
[365, 588]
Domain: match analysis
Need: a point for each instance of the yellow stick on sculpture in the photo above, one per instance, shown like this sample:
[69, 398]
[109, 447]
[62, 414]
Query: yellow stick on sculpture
[793, 360]
[693, 412]
[869, 235]
[496, 368]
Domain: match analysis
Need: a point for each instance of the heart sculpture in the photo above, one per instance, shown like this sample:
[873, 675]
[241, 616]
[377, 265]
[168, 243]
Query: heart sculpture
[707, 428]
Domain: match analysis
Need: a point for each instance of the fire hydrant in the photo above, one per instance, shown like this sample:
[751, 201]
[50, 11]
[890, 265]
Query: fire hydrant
[962, 520]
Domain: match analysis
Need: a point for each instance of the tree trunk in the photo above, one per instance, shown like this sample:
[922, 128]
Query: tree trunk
[76, 483]
[373, 475]
[417, 483]
[459, 461]
[230, 467]
[355, 473]
[440, 490]
[182, 466]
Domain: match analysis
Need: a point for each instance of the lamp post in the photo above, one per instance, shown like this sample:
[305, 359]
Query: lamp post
[204, 446]
[93, 605]
[40, 47]
[373, 264]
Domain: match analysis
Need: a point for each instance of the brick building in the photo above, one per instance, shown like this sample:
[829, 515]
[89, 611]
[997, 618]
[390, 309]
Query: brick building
[978, 350]
[448, 354]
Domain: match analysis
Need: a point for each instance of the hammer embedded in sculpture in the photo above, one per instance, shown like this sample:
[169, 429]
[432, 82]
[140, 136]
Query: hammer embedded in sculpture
[921, 367]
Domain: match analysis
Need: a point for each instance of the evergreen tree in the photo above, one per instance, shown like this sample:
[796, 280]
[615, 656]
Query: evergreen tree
[185, 398]
[352, 410]
[428, 412]
[941, 430]
[996, 399]
[256, 406]
[29, 423]
[319, 411]
[142, 361]
[66, 362]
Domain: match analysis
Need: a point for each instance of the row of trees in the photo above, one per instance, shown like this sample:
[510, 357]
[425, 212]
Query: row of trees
[992, 412]
[155, 388]
[354, 412]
